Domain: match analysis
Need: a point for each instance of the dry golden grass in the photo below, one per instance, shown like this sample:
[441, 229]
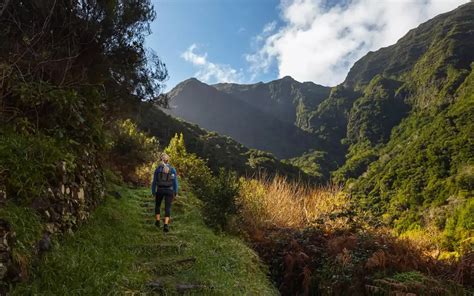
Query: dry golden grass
[276, 202]
[279, 216]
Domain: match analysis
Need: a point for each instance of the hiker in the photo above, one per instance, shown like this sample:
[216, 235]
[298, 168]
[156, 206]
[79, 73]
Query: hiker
[164, 186]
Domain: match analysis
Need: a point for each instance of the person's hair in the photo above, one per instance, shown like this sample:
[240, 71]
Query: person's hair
[164, 159]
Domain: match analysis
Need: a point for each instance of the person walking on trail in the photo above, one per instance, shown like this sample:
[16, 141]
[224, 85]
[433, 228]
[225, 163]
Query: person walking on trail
[164, 186]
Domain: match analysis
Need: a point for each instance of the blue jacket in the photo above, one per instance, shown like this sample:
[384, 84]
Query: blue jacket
[155, 177]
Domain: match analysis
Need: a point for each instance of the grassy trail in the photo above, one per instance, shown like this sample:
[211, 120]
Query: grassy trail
[120, 252]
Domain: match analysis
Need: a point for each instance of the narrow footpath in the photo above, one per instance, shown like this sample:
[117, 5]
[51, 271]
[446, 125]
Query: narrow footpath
[121, 252]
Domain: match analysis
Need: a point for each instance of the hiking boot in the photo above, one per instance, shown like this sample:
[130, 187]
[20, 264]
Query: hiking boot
[157, 223]
[166, 228]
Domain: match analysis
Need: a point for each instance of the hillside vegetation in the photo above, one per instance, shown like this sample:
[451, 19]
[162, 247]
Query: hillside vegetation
[374, 196]
[219, 151]
[70, 72]
[253, 125]
[397, 134]
[95, 260]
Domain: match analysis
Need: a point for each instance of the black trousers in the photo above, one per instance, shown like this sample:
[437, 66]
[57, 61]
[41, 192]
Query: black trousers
[168, 197]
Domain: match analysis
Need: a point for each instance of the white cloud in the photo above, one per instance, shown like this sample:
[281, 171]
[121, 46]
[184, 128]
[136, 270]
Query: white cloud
[210, 72]
[269, 27]
[320, 43]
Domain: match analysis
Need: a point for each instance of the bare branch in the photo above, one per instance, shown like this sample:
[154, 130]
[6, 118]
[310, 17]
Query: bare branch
[5, 4]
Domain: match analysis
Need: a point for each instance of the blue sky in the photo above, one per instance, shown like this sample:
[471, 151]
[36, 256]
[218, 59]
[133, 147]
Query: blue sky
[221, 28]
[247, 41]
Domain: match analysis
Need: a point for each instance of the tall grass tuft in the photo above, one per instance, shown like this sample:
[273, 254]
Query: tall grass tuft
[268, 202]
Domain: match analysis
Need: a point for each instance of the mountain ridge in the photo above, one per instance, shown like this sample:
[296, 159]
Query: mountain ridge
[396, 132]
[224, 113]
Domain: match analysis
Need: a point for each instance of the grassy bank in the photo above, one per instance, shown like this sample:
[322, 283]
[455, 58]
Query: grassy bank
[120, 251]
[316, 242]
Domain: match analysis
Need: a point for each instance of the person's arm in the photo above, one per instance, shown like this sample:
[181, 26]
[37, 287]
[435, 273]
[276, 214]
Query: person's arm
[175, 182]
[153, 183]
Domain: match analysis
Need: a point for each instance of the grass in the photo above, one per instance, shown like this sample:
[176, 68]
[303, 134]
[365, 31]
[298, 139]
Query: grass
[28, 230]
[314, 239]
[119, 251]
[277, 202]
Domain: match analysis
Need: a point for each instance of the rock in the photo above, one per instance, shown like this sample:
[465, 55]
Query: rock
[80, 194]
[183, 288]
[51, 228]
[3, 271]
[155, 285]
[44, 244]
[116, 194]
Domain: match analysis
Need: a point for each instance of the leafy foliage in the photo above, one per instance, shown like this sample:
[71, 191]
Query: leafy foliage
[131, 151]
[402, 120]
[373, 116]
[220, 205]
[69, 70]
[423, 165]
[29, 164]
[218, 192]
[190, 166]
[72, 58]
[359, 157]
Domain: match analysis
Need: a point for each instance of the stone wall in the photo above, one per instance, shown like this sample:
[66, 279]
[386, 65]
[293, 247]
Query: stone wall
[62, 208]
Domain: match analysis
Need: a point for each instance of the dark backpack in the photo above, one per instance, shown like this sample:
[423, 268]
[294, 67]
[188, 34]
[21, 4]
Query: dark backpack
[165, 180]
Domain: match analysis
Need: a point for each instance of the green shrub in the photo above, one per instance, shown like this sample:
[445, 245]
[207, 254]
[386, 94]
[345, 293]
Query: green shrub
[217, 192]
[220, 201]
[190, 166]
[29, 162]
[131, 151]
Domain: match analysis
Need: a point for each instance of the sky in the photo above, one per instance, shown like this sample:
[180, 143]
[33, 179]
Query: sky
[247, 41]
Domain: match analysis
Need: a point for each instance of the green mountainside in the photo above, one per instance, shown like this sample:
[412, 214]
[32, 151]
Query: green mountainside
[285, 98]
[261, 116]
[411, 129]
[398, 132]
[82, 119]
[220, 151]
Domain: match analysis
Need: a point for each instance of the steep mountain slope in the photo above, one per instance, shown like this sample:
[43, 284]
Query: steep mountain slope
[286, 98]
[424, 176]
[442, 41]
[261, 116]
[406, 112]
[220, 151]
[398, 132]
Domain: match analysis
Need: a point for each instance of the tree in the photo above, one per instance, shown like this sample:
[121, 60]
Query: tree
[80, 44]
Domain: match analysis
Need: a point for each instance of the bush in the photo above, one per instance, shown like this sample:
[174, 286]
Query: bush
[218, 193]
[132, 152]
[220, 204]
[190, 166]
[29, 164]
